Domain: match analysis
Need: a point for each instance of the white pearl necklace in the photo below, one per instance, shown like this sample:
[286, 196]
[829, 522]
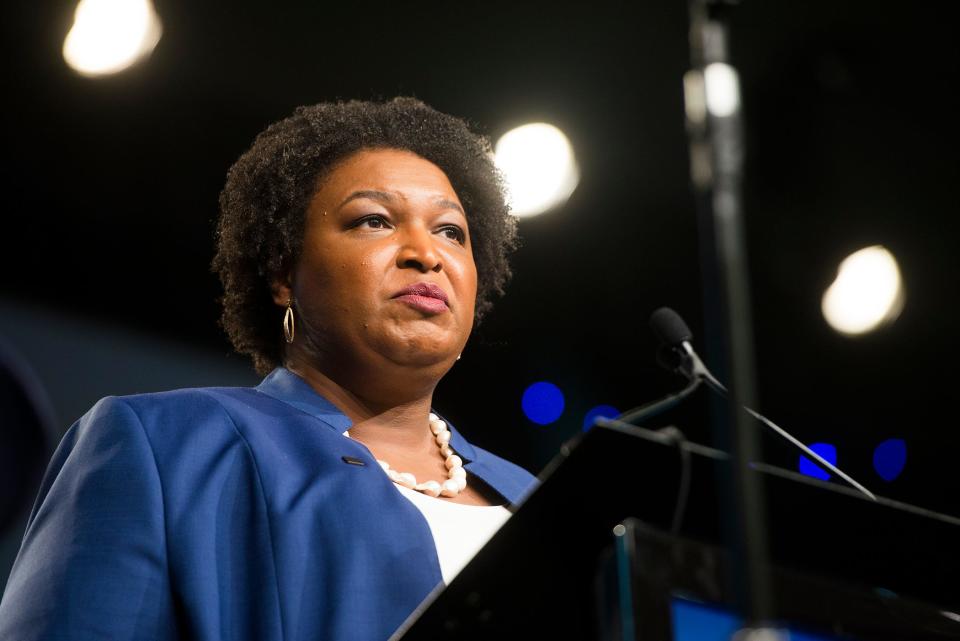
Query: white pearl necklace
[457, 476]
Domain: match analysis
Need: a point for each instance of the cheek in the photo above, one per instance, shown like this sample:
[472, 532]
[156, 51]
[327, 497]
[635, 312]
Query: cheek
[340, 272]
[326, 285]
[471, 273]
[469, 287]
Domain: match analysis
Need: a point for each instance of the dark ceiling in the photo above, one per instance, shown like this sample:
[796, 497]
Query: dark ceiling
[111, 189]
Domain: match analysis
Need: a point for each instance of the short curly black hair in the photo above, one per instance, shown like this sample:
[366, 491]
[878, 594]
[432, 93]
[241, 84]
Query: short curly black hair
[268, 190]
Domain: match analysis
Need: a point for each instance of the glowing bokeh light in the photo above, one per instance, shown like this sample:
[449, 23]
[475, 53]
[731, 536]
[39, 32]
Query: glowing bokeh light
[827, 452]
[600, 411]
[889, 458]
[867, 293]
[539, 167]
[721, 89]
[698, 621]
[542, 403]
[108, 36]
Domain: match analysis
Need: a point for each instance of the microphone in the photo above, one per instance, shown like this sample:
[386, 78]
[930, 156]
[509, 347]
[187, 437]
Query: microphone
[669, 327]
[677, 354]
[676, 350]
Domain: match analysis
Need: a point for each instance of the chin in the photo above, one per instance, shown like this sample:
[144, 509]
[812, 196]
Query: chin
[421, 351]
[412, 355]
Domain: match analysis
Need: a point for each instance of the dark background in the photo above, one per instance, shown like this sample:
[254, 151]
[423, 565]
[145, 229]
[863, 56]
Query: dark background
[110, 197]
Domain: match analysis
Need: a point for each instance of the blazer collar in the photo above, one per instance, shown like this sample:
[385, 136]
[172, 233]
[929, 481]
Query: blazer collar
[284, 385]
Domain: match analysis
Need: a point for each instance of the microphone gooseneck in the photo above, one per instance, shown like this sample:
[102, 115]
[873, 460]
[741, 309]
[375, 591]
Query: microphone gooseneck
[678, 355]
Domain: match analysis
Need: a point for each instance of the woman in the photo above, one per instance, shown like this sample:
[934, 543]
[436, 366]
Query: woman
[358, 243]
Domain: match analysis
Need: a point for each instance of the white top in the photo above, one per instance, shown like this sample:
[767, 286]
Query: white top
[459, 531]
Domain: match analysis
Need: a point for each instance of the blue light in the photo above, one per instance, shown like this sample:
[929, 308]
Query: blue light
[542, 403]
[808, 467]
[889, 458]
[600, 411]
[701, 622]
[694, 621]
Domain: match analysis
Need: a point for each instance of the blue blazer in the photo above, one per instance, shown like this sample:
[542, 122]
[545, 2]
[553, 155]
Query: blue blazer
[223, 514]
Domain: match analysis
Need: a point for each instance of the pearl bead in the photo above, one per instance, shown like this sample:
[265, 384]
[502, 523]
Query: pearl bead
[406, 479]
[450, 488]
[430, 488]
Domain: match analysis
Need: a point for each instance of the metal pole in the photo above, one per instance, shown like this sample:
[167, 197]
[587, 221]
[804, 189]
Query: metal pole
[712, 103]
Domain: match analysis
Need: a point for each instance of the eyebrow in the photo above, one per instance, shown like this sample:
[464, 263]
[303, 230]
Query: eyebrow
[449, 204]
[372, 194]
[387, 197]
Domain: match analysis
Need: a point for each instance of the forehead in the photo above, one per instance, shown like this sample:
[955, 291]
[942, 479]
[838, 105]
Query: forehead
[396, 171]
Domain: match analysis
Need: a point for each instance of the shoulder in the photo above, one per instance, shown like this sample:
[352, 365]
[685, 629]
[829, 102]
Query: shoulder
[190, 430]
[182, 400]
[174, 423]
[141, 416]
[511, 480]
[181, 406]
[502, 465]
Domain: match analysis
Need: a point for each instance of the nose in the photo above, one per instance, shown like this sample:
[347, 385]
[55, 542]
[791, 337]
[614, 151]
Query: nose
[418, 251]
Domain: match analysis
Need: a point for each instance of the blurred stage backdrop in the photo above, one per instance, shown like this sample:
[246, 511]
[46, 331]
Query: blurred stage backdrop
[111, 184]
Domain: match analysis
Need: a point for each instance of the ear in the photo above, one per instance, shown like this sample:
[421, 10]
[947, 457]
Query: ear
[281, 289]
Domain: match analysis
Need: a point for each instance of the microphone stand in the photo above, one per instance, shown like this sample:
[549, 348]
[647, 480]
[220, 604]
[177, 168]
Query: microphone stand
[712, 105]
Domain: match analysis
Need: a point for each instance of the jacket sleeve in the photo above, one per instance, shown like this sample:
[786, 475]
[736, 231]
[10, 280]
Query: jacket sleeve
[93, 563]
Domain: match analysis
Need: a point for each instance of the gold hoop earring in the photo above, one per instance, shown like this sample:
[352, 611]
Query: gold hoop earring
[288, 324]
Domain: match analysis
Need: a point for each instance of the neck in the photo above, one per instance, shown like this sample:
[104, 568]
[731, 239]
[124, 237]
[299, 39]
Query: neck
[379, 413]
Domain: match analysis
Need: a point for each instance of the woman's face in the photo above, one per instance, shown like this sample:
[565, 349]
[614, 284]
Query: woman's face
[386, 270]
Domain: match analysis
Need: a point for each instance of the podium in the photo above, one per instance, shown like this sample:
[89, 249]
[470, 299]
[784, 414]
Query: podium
[588, 555]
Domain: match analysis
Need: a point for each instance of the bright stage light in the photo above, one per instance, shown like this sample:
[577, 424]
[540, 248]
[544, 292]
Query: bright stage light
[538, 164]
[108, 36]
[867, 293]
[722, 89]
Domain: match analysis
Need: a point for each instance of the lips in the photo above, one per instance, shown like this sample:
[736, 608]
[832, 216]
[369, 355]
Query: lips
[426, 297]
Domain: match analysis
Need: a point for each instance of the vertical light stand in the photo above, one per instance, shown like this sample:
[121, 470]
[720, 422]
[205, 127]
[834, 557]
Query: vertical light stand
[712, 104]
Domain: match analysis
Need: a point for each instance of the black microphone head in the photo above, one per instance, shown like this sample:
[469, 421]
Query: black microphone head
[669, 327]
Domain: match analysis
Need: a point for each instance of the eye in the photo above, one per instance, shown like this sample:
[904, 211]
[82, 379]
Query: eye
[372, 221]
[454, 233]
